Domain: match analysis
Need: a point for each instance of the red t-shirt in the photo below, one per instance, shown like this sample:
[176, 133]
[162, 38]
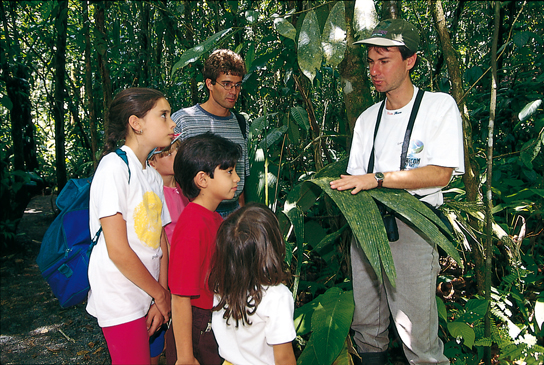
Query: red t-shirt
[192, 248]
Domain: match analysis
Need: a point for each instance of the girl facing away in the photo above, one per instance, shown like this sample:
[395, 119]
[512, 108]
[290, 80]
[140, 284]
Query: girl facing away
[128, 266]
[253, 309]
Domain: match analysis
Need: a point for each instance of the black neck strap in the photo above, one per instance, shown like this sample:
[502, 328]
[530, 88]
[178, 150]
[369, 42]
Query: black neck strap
[407, 135]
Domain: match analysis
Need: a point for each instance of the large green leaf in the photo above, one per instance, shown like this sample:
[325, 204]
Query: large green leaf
[333, 39]
[300, 115]
[365, 18]
[309, 46]
[193, 54]
[330, 323]
[259, 124]
[529, 110]
[419, 215]
[303, 317]
[285, 28]
[365, 221]
[463, 330]
[272, 137]
[333, 169]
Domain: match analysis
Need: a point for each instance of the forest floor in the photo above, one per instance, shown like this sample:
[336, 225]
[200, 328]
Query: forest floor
[34, 329]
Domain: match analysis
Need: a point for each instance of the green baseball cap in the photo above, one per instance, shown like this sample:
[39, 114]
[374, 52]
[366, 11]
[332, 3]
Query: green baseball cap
[393, 33]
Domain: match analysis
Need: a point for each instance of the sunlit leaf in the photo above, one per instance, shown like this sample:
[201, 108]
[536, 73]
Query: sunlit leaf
[193, 54]
[333, 39]
[285, 28]
[309, 46]
[463, 330]
[365, 18]
[529, 110]
[252, 16]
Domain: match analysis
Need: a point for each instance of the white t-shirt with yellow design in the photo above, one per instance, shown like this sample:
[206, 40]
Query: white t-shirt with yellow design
[113, 299]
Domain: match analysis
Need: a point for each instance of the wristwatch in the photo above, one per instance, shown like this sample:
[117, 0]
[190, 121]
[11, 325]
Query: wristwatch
[379, 178]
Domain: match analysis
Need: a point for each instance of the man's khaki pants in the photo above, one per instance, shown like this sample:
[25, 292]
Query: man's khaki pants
[411, 304]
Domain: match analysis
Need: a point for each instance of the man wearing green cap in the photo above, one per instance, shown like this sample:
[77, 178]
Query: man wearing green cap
[411, 141]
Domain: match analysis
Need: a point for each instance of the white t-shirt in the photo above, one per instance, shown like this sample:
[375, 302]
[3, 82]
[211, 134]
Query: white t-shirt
[437, 139]
[272, 324]
[114, 299]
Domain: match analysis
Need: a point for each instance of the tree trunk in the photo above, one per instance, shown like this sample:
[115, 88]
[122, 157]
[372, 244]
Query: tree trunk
[102, 58]
[470, 178]
[145, 48]
[353, 73]
[190, 39]
[61, 24]
[391, 9]
[89, 98]
[489, 177]
[18, 89]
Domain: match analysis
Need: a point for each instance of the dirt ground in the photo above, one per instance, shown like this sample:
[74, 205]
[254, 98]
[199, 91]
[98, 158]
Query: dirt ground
[34, 329]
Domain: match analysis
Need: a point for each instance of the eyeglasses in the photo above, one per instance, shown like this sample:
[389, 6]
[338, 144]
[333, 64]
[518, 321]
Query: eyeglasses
[229, 85]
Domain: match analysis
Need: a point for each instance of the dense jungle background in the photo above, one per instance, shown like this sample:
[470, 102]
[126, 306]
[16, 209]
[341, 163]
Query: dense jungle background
[63, 61]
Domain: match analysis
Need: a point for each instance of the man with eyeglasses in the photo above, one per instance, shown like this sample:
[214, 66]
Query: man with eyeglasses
[223, 72]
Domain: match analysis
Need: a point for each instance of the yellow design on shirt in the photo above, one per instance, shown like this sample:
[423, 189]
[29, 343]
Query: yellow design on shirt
[147, 220]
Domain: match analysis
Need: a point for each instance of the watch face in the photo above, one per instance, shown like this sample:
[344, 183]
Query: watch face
[378, 175]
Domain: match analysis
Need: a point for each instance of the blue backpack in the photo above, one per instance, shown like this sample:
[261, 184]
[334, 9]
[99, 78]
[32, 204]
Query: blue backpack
[66, 246]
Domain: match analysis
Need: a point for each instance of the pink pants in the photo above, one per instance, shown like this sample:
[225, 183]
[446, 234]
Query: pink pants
[128, 343]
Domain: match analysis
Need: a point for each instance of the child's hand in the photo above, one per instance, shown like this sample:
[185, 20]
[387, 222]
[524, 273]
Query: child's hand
[154, 320]
[163, 304]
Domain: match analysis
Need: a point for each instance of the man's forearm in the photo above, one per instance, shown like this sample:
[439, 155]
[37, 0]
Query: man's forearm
[421, 177]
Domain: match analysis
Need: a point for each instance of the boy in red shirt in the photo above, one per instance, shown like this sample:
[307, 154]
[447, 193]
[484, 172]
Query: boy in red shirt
[205, 170]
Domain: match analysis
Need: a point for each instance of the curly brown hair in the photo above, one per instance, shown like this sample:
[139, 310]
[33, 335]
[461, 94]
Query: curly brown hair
[226, 61]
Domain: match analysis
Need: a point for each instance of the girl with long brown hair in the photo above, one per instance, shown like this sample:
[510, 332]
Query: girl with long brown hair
[253, 318]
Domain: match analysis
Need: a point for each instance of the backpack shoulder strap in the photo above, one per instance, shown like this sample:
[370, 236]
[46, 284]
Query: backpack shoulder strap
[241, 122]
[124, 157]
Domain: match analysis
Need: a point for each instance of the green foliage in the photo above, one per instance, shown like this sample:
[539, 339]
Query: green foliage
[328, 317]
[193, 54]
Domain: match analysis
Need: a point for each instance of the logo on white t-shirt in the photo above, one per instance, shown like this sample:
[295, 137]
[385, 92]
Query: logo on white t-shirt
[412, 159]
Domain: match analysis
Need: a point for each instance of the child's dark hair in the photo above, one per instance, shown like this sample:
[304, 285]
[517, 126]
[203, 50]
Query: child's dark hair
[226, 61]
[204, 153]
[249, 254]
[133, 101]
